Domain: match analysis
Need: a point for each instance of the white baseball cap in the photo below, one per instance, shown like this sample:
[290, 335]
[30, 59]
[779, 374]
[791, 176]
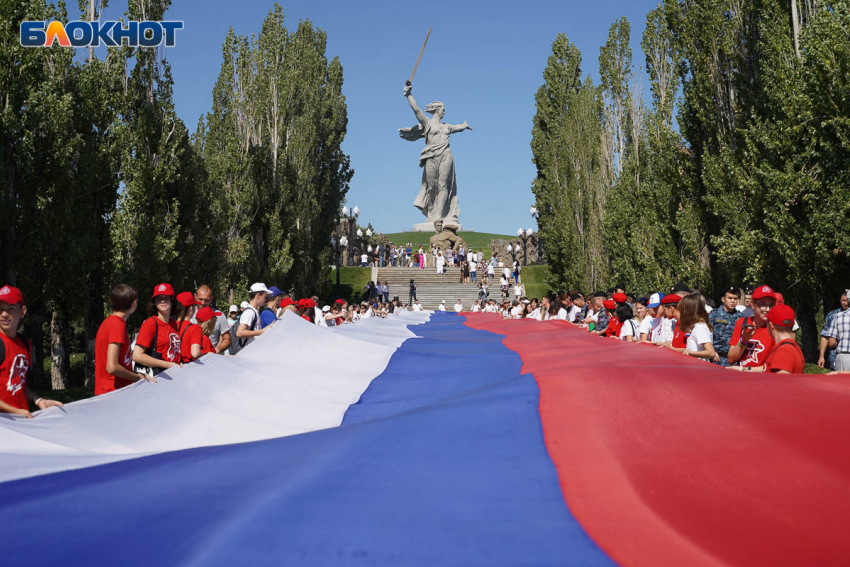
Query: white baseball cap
[245, 305]
[444, 302]
[233, 309]
[326, 308]
[260, 287]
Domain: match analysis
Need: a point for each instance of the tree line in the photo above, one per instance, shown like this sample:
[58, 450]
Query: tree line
[737, 173]
[103, 183]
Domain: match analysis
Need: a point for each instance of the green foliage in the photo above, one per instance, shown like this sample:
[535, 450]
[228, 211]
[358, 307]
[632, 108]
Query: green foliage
[752, 188]
[102, 183]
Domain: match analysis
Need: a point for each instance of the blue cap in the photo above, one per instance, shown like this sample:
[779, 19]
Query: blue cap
[655, 300]
[274, 291]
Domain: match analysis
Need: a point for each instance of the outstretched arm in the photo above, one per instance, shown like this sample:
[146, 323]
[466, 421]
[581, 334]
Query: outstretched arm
[420, 116]
[455, 128]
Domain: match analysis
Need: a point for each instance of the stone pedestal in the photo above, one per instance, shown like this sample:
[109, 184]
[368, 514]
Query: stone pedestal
[429, 227]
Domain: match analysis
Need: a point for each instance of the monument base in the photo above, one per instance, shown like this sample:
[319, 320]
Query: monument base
[428, 227]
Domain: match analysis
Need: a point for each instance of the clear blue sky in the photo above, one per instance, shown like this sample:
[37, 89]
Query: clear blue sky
[484, 60]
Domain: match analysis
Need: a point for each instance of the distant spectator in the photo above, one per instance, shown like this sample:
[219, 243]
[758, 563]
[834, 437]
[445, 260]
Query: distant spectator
[249, 322]
[411, 296]
[827, 355]
[364, 260]
[628, 330]
[442, 306]
[190, 333]
[723, 321]
[268, 312]
[839, 339]
[458, 306]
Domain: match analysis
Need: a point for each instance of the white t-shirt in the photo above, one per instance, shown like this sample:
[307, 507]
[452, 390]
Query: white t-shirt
[700, 335]
[562, 314]
[417, 307]
[476, 308]
[247, 318]
[490, 270]
[628, 330]
[645, 326]
[364, 258]
[367, 314]
[319, 317]
[473, 267]
[442, 307]
[506, 272]
[458, 307]
[572, 315]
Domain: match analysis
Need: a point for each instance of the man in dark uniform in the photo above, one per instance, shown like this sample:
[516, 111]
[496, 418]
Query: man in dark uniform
[723, 320]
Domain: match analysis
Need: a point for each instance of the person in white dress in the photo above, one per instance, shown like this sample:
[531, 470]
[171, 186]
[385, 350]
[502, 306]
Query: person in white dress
[441, 262]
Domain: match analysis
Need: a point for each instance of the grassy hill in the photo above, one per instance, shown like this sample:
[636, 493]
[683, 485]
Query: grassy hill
[475, 239]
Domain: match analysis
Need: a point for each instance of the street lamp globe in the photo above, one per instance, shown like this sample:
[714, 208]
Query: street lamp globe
[359, 232]
[533, 210]
[509, 249]
[356, 211]
[344, 211]
[369, 248]
[529, 232]
[343, 241]
[368, 232]
[519, 232]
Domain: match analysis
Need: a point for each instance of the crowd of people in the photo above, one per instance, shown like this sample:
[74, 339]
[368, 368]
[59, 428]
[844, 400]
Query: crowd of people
[751, 330]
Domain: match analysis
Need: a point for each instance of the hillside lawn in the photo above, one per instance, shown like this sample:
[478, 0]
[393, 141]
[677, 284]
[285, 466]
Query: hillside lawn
[477, 240]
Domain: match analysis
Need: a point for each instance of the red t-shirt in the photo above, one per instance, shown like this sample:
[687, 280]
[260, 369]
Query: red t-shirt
[167, 339]
[206, 345]
[14, 370]
[613, 329]
[113, 330]
[788, 358]
[760, 345]
[680, 339]
[190, 334]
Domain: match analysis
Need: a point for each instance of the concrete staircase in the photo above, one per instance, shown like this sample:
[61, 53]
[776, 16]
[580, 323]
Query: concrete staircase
[432, 288]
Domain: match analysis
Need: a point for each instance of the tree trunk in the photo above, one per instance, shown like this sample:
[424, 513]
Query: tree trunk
[34, 331]
[94, 316]
[811, 337]
[795, 26]
[60, 372]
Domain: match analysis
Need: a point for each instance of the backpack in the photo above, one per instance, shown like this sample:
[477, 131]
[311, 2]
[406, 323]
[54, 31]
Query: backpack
[237, 344]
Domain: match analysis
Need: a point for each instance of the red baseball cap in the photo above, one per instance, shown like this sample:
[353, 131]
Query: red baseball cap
[163, 289]
[286, 301]
[781, 315]
[620, 298]
[670, 299]
[206, 313]
[609, 304]
[186, 299]
[11, 295]
[763, 291]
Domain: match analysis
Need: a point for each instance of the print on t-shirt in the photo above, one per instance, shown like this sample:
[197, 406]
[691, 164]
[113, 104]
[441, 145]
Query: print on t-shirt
[18, 374]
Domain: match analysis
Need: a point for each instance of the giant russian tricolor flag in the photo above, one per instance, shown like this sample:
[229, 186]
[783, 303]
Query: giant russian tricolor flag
[436, 439]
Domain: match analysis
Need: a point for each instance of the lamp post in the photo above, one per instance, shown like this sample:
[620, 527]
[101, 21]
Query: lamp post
[338, 247]
[350, 216]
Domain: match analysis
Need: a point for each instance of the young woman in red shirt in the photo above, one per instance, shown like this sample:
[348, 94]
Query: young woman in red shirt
[158, 344]
[206, 318]
[189, 333]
